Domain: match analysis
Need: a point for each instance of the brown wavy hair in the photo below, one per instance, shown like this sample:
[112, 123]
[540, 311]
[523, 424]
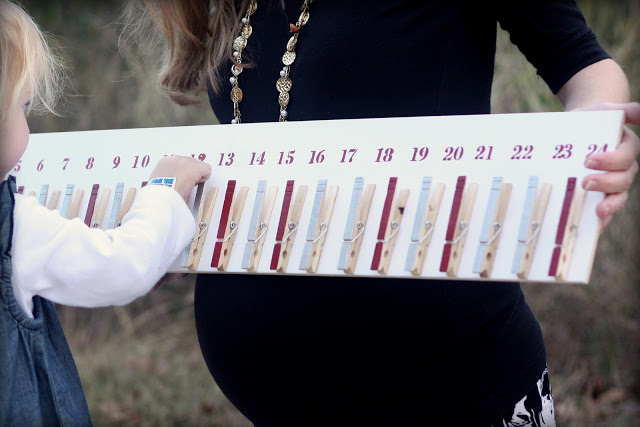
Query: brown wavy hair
[188, 40]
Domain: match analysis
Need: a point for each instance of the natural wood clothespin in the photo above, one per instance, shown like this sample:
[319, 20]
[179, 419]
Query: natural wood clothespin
[360, 205]
[318, 225]
[100, 209]
[260, 218]
[202, 228]
[568, 226]
[389, 226]
[229, 222]
[492, 227]
[423, 226]
[126, 206]
[287, 227]
[535, 207]
[74, 206]
[458, 227]
[53, 201]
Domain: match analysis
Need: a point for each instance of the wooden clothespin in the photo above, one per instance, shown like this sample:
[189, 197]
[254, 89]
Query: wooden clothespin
[74, 206]
[318, 225]
[92, 203]
[229, 221]
[31, 194]
[126, 206]
[115, 206]
[44, 191]
[389, 226]
[195, 209]
[359, 207]
[53, 200]
[423, 225]
[458, 227]
[203, 223]
[492, 227]
[287, 226]
[68, 194]
[533, 212]
[260, 217]
[567, 233]
[100, 209]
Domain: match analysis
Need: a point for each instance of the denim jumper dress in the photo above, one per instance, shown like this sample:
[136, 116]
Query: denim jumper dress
[39, 382]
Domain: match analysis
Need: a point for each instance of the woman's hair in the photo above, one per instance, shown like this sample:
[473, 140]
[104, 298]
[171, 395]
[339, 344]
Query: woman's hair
[26, 63]
[194, 36]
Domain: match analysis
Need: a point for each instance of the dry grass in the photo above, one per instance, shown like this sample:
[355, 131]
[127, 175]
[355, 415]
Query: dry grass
[141, 364]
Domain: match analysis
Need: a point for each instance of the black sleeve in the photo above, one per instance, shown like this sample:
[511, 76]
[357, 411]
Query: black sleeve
[553, 35]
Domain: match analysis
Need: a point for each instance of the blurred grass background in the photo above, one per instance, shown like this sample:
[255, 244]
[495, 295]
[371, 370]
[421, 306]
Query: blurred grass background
[141, 364]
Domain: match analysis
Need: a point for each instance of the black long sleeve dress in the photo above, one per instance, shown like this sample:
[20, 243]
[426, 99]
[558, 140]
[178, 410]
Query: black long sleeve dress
[351, 351]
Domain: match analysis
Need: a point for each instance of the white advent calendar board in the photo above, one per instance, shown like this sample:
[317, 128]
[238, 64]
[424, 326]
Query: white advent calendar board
[485, 197]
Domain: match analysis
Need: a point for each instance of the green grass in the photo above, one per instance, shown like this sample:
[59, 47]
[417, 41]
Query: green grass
[141, 364]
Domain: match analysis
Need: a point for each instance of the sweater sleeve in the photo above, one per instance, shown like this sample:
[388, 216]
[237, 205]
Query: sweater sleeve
[69, 263]
[553, 35]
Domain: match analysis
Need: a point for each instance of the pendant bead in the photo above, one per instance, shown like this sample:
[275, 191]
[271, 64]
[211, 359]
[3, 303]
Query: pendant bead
[236, 95]
[247, 30]
[240, 43]
[304, 17]
[253, 6]
[283, 99]
[288, 58]
[284, 84]
[291, 44]
[236, 70]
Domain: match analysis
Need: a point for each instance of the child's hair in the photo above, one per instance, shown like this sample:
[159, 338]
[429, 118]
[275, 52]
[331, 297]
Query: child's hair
[26, 63]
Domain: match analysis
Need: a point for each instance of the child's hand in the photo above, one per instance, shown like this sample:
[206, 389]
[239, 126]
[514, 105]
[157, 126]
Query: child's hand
[188, 172]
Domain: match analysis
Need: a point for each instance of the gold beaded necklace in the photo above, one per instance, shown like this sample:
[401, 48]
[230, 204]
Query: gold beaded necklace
[284, 82]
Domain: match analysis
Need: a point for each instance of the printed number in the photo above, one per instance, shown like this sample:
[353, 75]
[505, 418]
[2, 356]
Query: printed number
[90, 161]
[563, 151]
[66, 162]
[593, 148]
[453, 153]
[201, 157]
[484, 152]
[40, 165]
[522, 152]
[351, 152]
[419, 154]
[144, 163]
[259, 159]
[17, 168]
[316, 157]
[289, 158]
[116, 162]
[387, 157]
[229, 161]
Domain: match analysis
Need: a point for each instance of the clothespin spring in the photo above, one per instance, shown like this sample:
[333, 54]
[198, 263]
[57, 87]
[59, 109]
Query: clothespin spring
[293, 227]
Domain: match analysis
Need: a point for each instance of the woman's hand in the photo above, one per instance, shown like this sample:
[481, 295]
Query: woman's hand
[621, 165]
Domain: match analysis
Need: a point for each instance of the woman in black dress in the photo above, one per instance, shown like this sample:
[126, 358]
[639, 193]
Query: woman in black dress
[351, 351]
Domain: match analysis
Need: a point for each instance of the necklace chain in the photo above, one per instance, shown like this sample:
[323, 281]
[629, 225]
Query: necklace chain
[284, 83]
